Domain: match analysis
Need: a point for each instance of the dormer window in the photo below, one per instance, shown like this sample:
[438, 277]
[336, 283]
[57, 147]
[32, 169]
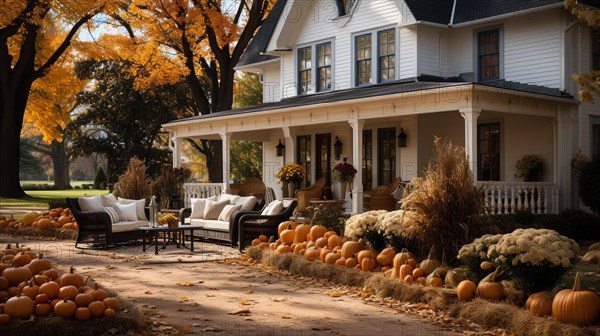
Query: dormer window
[345, 6]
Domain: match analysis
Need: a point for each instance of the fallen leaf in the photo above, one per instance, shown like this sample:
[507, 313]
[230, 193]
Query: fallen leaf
[210, 295]
[110, 267]
[243, 312]
[185, 284]
[245, 303]
[147, 292]
[213, 329]
[249, 292]
[184, 298]
[335, 294]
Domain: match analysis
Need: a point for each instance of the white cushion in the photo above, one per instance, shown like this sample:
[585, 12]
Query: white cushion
[140, 205]
[231, 198]
[123, 226]
[212, 209]
[90, 204]
[112, 213]
[273, 208]
[108, 200]
[227, 211]
[247, 203]
[198, 205]
[197, 222]
[216, 224]
[126, 212]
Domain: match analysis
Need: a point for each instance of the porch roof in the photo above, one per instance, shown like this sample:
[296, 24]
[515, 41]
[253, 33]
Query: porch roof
[395, 87]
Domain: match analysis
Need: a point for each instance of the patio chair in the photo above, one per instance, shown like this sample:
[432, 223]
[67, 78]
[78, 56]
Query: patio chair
[303, 196]
[382, 197]
[250, 226]
[253, 186]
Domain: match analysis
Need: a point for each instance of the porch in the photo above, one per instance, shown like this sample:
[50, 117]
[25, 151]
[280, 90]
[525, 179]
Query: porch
[500, 197]
[497, 127]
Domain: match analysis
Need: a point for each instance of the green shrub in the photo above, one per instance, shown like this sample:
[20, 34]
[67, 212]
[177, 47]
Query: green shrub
[58, 203]
[589, 184]
[100, 179]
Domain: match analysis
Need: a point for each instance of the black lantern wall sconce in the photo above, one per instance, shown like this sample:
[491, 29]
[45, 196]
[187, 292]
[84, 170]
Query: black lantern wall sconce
[402, 138]
[280, 148]
[337, 148]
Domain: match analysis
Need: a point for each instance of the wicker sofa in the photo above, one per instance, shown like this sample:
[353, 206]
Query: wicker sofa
[250, 226]
[224, 228]
[97, 230]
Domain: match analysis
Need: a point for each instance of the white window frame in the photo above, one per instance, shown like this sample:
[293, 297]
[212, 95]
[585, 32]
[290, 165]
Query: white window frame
[375, 70]
[314, 66]
[476, 32]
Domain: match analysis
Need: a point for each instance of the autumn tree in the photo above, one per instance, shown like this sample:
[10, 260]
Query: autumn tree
[121, 122]
[198, 40]
[590, 81]
[51, 101]
[28, 50]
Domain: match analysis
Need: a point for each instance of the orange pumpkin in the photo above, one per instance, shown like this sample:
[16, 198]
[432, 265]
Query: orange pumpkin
[286, 225]
[287, 236]
[466, 290]
[386, 256]
[19, 306]
[42, 309]
[350, 248]
[300, 233]
[368, 264]
[333, 241]
[72, 278]
[65, 308]
[96, 308]
[405, 270]
[539, 304]
[576, 306]
[317, 231]
[44, 223]
[51, 289]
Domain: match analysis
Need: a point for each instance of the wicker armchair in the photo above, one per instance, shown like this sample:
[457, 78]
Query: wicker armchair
[381, 198]
[251, 226]
[303, 196]
[253, 186]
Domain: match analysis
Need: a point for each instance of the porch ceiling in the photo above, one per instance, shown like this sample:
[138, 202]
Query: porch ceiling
[384, 101]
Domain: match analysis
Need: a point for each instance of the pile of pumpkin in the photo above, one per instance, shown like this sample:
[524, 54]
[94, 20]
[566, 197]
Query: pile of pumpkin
[315, 242]
[57, 218]
[29, 285]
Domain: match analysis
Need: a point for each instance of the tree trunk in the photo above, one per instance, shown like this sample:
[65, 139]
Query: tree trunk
[60, 162]
[11, 121]
[214, 162]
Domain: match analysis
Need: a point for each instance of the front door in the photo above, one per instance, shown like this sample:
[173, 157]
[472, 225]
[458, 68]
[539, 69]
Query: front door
[386, 162]
[323, 154]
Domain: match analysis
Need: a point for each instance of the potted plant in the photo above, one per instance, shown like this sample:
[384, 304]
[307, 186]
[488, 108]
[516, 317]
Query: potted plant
[291, 174]
[343, 173]
[529, 168]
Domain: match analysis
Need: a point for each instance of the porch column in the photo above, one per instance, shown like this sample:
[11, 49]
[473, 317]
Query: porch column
[470, 115]
[226, 138]
[175, 146]
[566, 137]
[357, 187]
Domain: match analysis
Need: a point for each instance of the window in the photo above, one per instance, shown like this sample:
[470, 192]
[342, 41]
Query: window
[367, 160]
[321, 56]
[488, 54]
[324, 67]
[304, 69]
[488, 152]
[386, 155]
[303, 155]
[387, 55]
[375, 57]
[363, 59]
[595, 49]
[323, 153]
[345, 6]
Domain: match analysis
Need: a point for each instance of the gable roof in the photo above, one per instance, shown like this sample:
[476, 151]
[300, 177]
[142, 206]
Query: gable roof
[435, 11]
[253, 53]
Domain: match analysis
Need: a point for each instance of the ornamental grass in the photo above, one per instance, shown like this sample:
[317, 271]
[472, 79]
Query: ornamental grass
[134, 183]
[442, 203]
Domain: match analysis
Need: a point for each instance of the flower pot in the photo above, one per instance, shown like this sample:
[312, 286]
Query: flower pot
[339, 190]
[291, 189]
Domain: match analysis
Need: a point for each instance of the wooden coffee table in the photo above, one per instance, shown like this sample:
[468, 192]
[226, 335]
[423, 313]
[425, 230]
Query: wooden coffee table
[172, 235]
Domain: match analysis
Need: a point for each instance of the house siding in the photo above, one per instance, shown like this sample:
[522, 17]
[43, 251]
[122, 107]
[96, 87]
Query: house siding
[532, 49]
[408, 52]
[271, 84]
[428, 49]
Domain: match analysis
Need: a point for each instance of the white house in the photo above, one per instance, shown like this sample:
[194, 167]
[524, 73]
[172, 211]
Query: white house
[492, 76]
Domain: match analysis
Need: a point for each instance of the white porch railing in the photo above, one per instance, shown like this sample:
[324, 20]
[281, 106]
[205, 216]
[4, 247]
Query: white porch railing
[200, 190]
[510, 197]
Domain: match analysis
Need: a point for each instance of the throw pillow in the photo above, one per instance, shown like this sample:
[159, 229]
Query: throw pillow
[247, 203]
[126, 212]
[212, 209]
[198, 205]
[90, 204]
[108, 200]
[231, 198]
[140, 205]
[227, 211]
[112, 213]
[272, 208]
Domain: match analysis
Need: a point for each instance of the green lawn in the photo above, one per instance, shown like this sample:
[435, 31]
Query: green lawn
[42, 197]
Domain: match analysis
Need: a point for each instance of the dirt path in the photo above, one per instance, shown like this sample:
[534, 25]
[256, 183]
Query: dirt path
[209, 292]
